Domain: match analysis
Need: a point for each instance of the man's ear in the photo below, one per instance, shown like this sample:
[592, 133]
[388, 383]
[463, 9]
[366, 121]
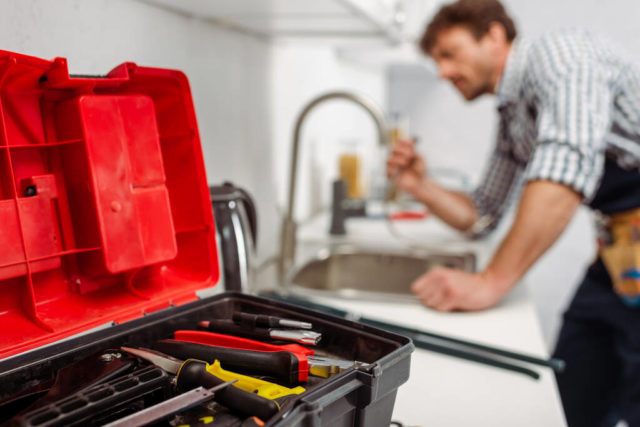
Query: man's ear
[497, 33]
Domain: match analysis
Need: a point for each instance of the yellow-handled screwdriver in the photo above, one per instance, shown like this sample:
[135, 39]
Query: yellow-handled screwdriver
[194, 373]
[262, 388]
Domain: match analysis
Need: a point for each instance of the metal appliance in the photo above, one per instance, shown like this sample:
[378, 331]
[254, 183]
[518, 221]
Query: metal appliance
[236, 231]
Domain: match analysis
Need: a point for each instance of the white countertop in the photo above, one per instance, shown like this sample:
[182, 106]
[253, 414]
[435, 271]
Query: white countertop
[446, 391]
[442, 390]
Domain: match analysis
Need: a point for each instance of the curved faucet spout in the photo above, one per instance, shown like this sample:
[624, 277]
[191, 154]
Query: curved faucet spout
[288, 238]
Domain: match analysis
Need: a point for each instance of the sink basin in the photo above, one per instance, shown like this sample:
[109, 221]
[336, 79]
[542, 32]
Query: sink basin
[372, 274]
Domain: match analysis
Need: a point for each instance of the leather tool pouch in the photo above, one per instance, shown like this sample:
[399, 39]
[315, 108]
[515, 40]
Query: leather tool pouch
[619, 249]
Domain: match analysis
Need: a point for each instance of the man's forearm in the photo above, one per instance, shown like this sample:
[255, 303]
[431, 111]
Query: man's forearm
[455, 209]
[544, 212]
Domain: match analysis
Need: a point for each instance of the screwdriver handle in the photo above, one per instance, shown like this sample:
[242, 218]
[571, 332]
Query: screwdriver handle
[282, 365]
[262, 388]
[266, 321]
[226, 326]
[194, 373]
[255, 320]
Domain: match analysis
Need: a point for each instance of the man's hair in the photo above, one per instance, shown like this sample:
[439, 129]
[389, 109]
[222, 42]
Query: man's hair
[476, 15]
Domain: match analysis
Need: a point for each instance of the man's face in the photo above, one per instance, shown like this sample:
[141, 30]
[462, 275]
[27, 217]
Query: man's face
[465, 61]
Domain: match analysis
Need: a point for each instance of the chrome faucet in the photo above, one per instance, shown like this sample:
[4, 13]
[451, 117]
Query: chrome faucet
[288, 237]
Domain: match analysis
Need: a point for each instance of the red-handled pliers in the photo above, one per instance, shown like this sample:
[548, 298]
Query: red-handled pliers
[301, 363]
[230, 341]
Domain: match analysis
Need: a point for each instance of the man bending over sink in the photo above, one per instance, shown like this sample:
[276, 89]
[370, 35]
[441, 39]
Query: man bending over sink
[569, 132]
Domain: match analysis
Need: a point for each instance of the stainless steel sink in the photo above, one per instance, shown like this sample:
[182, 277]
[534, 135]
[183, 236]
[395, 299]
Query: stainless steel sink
[372, 274]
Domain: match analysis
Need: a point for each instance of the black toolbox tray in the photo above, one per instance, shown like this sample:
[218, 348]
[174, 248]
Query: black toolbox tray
[357, 397]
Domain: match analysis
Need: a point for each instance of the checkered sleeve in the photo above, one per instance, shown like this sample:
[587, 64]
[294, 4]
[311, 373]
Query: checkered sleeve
[491, 197]
[574, 114]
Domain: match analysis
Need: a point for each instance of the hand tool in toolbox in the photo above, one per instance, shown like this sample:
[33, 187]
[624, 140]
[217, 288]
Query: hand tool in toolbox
[438, 343]
[193, 373]
[282, 365]
[87, 372]
[210, 414]
[252, 422]
[102, 402]
[226, 326]
[266, 321]
[307, 361]
[257, 386]
[170, 407]
[223, 340]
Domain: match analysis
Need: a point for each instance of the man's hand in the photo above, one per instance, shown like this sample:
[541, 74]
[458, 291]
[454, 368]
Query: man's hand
[545, 210]
[405, 167]
[408, 172]
[446, 289]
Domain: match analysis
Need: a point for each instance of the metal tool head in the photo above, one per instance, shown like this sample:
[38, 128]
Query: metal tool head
[324, 371]
[289, 323]
[163, 361]
[326, 367]
[302, 336]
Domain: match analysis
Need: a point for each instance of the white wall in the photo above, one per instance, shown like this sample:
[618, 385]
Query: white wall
[246, 89]
[458, 134]
[302, 72]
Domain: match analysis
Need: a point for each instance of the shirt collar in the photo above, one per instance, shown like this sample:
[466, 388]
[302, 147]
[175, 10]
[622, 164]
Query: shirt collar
[508, 88]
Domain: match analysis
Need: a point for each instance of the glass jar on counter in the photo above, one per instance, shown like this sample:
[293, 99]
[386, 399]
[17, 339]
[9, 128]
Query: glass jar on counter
[350, 169]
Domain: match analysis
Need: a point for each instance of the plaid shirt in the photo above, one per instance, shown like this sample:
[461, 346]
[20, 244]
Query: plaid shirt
[565, 101]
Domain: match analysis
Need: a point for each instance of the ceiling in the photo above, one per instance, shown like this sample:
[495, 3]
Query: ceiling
[297, 18]
[374, 33]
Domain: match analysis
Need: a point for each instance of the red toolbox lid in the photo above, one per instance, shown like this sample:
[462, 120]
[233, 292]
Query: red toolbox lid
[104, 205]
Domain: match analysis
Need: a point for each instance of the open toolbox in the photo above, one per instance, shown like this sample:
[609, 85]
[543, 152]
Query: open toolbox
[107, 237]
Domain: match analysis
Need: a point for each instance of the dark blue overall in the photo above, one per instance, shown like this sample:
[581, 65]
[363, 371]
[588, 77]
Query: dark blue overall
[600, 336]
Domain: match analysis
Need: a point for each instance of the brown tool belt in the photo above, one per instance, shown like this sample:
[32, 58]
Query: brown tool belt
[619, 249]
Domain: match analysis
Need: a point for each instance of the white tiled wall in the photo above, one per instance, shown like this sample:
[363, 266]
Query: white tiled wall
[301, 73]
